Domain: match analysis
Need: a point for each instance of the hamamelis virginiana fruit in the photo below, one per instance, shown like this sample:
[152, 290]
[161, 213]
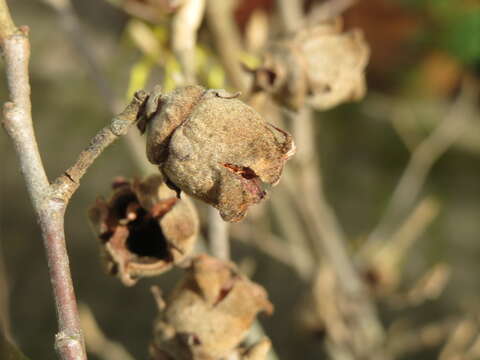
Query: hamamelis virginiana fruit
[214, 147]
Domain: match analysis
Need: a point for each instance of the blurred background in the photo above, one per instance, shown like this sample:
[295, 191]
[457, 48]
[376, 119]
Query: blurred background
[422, 54]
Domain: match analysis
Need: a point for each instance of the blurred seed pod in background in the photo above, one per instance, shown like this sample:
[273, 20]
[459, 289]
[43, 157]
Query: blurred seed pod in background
[144, 229]
[209, 314]
[319, 65]
[214, 147]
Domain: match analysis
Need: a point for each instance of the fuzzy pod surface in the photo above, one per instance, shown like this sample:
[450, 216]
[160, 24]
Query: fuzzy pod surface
[322, 66]
[215, 147]
[144, 229]
[209, 313]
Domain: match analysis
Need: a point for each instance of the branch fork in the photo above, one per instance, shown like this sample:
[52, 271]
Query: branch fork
[50, 200]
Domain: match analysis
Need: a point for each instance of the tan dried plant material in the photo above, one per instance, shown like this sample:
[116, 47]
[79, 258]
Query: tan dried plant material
[214, 147]
[144, 229]
[209, 314]
[322, 66]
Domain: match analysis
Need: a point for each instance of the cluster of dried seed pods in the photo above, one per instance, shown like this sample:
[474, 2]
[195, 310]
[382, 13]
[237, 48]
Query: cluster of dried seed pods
[218, 149]
[320, 65]
[214, 147]
[208, 314]
[144, 229]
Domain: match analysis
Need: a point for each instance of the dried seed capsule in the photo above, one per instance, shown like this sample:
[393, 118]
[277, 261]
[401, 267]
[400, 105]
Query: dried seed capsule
[215, 147]
[319, 65]
[209, 313]
[144, 228]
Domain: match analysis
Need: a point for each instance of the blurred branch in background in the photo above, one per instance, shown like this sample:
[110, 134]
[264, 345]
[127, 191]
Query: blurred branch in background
[405, 341]
[96, 341]
[4, 297]
[363, 337]
[453, 125]
[73, 29]
[220, 21]
[383, 263]
[186, 22]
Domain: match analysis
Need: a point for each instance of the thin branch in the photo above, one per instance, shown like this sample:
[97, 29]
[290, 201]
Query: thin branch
[388, 256]
[410, 341]
[360, 312]
[50, 202]
[324, 226]
[421, 162]
[291, 14]
[227, 39]
[49, 211]
[71, 25]
[4, 297]
[265, 242]
[185, 25]
[218, 235]
[66, 184]
[297, 245]
[97, 343]
[328, 10]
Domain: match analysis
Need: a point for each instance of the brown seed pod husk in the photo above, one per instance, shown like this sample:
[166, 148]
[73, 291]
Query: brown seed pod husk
[144, 229]
[209, 313]
[321, 66]
[215, 148]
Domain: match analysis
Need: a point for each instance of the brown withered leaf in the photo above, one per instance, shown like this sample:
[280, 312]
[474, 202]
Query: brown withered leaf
[144, 229]
[215, 147]
[209, 313]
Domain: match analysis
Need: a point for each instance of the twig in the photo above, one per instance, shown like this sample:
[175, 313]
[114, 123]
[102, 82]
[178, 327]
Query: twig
[360, 312]
[265, 242]
[291, 14]
[459, 340]
[324, 226]
[328, 10]
[298, 248]
[50, 202]
[49, 210]
[97, 343]
[4, 297]
[227, 40]
[66, 184]
[409, 341]
[184, 37]
[73, 28]
[386, 258]
[218, 235]
[421, 162]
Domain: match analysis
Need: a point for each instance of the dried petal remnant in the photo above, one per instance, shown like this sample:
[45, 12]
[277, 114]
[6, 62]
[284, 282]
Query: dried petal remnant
[320, 65]
[216, 148]
[144, 228]
[209, 313]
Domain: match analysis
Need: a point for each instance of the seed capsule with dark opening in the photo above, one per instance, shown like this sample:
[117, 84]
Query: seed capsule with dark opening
[144, 228]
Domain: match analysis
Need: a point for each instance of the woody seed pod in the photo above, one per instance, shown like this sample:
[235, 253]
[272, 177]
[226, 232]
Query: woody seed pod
[144, 229]
[209, 314]
[320, 65]
[214, 147]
